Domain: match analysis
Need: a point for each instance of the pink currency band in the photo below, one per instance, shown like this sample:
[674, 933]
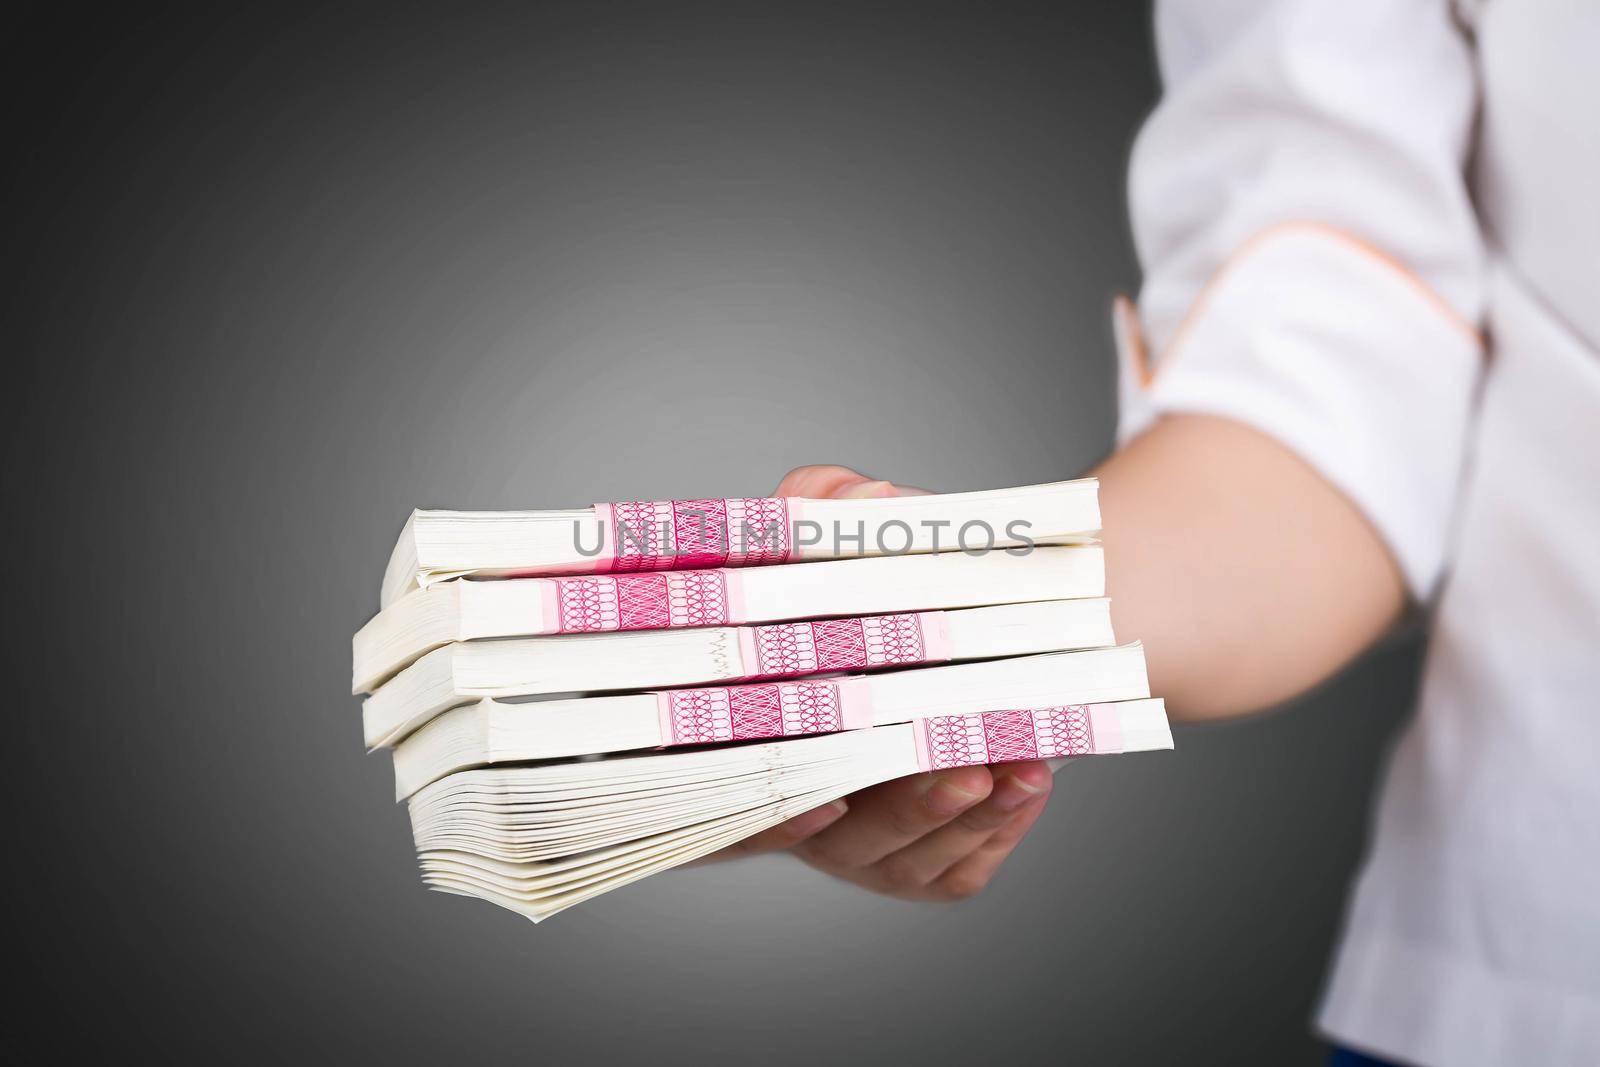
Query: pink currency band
[1008, 736]
[715, 714]
[660, 600]
[789, 649]
[657, 535]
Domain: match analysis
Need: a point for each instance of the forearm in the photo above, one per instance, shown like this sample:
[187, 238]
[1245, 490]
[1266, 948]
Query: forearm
[1248, 576]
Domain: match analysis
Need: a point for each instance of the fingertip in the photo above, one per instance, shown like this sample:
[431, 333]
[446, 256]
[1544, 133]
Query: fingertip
[976, 780]
[810, 823]
[963, 882]
[1033, 777]
[1015, 789]
[957, 790]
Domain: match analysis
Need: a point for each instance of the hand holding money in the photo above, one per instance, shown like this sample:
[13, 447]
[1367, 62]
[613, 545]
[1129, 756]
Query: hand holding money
[868, 676]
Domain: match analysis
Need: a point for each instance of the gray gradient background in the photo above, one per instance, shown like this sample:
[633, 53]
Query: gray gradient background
[284, 277]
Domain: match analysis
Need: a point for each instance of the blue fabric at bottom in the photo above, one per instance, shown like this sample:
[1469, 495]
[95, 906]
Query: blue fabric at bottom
[1349, 1057]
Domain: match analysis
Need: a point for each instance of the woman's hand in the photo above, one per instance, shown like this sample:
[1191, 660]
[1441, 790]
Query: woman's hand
[938, 836]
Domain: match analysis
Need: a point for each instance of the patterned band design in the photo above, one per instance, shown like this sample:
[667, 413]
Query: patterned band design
[654, 535]
[1003, 736]
[745, 712]
[604, 602]
[792, 648]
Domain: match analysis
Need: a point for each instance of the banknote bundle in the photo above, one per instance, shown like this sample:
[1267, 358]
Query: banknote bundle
[575, 700]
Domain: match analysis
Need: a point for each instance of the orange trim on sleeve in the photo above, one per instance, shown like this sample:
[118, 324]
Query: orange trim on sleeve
[1148, 374]
[1130, 337]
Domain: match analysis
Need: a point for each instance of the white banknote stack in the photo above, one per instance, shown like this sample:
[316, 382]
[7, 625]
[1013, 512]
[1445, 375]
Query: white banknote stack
[577, 699]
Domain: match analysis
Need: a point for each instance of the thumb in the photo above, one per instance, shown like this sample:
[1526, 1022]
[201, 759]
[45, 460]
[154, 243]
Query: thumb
[838, 483]
[818, 481]
[865, 489]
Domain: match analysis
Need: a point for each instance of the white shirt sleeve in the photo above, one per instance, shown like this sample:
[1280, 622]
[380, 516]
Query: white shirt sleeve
[1312, 263]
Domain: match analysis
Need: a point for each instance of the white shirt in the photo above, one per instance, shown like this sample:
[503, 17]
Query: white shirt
[1334, 204]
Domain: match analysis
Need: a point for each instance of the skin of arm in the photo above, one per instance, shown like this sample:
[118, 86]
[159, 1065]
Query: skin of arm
[1247, 575]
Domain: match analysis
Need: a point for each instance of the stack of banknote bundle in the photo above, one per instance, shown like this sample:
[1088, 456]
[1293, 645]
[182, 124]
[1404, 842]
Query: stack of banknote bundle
[578, 699]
